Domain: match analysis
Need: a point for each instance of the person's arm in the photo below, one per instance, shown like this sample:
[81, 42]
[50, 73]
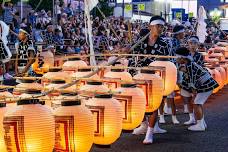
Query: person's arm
[3, 4]
[30, 62]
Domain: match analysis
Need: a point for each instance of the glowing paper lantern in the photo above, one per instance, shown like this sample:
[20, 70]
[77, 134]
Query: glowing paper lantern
[152, 86]
[4, 94]
[73, 64]
[2, 142]
[56, 101]
[93, 87]
[82, 73]
[116, 74]
[217, 76]
[218, 56]
[74, 132]
[107, 114]
[170, 77]
[222, 71]
[48, 77]
[225, 66]
[133, 101]
[34, 131]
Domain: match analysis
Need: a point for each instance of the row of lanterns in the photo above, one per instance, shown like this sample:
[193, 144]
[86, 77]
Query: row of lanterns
[78, 121]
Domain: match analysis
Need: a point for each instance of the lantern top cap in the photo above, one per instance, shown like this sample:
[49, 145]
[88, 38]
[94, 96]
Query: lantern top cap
[76, 102]
[69, 93]
[94, 83]
[42, 102]
[103, 96]
[31, 91]
[74, 59]
[129, 85]
[58, 81]
[148, 71]
[55, 69]
[85, 69]
[162, 59]
[28, 101]
[28, 80]
[117, 70]
[2, 105]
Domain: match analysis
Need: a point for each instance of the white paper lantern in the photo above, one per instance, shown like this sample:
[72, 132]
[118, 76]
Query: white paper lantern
[2, 142]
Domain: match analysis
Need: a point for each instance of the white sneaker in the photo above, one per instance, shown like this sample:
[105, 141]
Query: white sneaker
[158, 130]
[191, 120]
[175, 121]
[141, 129]
[149, 136]
[161, 119]
[198, 127]
[186, 108]
[167, 109]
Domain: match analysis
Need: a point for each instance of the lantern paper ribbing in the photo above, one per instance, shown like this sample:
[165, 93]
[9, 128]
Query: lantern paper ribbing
[35, 128]
[170, 77]
[133, 101]
[116, 74]
[2, 142]
[107, 114]
[222, 71]
[153, 90]
[74, 127]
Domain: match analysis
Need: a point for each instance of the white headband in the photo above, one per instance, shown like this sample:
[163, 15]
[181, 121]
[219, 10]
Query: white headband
[186, 57]
[155, 22]
[178, 32]
[193, 39]
[24, 31]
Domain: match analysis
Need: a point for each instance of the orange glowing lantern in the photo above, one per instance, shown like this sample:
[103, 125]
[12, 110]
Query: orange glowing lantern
[4, 94]
[225, 66]
[56, 102]
[74, 132]
[170, 76]
[82, 72]
[29, 127]
[2, 142]
[116, 74]
[218, 56]
[73, 64]
[107, 114]
[93, 87]
[222, 71]
[133, 101]
[217, 76]
[153, 88]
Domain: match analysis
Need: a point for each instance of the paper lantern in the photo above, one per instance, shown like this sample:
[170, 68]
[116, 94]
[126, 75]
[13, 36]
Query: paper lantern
[107, 114]
[222, 71]
[74, 130]
[218, 56]
[133, 101]
[212, 60]
[29, 127]
[225, 66]
[27, 85]
[82, 72]
[73, 64]
[170, 76]
[217, 76]
[4, 94]
[2, 142]
[56, 101]
[152, 86]
[93, 87]
[48, 77]
[116, 74]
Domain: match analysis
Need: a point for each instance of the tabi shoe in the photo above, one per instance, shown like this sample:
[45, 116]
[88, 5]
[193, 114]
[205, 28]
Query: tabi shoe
[199, 126]
[167, 110]
[158, 130]
[149, 136]
[191, 120]
[141, 129]
[174, 119]
[161, 119]
[186, 108]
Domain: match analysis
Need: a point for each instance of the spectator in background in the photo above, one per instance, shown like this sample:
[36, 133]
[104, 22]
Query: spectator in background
[24, 23]
[8, 12]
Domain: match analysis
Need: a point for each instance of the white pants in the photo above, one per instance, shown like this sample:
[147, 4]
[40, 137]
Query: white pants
[200, 98]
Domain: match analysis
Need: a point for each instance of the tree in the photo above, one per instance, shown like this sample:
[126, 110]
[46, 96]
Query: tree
[106, 9]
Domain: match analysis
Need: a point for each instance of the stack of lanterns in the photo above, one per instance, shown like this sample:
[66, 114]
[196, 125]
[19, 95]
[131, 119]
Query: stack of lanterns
[133, 101]
[116, 74]
[74, 127]
[107, 113]
[152, 87]
[35, 127]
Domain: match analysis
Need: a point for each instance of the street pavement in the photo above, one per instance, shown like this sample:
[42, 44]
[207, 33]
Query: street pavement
[178, 138]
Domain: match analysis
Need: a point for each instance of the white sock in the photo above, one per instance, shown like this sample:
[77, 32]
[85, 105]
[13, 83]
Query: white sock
[191, 116]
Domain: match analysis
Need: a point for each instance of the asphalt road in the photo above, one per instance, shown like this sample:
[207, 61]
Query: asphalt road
[178, 138]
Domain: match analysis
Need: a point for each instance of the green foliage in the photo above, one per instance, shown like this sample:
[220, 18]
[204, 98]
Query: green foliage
[105, 8]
